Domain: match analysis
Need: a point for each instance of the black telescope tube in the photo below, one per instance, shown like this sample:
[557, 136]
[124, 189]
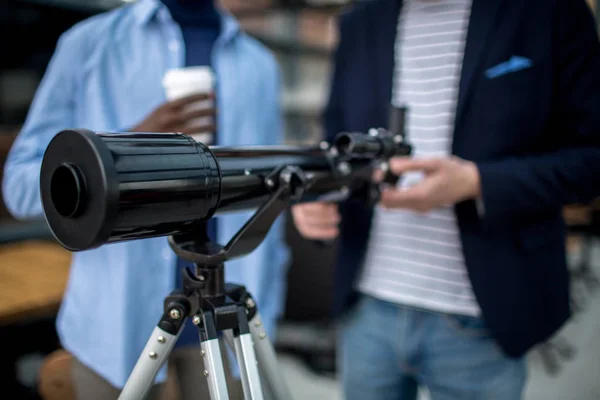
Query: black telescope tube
[245, 169]
[99, 188]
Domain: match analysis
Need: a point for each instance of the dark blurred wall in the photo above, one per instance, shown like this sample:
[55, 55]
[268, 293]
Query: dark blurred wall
[6, 139]
[30, 32]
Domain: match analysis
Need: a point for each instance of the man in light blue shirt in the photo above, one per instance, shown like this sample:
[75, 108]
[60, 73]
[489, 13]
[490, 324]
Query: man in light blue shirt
[106, 76]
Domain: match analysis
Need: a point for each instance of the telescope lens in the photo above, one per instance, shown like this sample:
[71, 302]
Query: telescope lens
[98, 188]
[66, 190]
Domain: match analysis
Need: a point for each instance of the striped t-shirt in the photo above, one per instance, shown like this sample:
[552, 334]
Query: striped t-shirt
[416, 259]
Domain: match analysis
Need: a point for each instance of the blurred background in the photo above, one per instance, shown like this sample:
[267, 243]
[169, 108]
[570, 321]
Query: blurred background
[302, 35]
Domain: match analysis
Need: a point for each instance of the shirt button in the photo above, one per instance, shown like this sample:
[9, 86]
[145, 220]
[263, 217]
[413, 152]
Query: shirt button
[173, 46]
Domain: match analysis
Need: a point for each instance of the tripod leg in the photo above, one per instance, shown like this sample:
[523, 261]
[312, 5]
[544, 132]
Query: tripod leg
[246, 358]
[153, 356]
[213, 363]
[267, 359]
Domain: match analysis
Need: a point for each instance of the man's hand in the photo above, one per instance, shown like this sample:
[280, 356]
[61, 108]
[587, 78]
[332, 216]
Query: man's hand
[447, 181]
[176, 115]
[317, 221]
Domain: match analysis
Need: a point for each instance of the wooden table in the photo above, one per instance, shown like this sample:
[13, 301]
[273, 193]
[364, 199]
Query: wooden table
[33, 277]
[7, 137]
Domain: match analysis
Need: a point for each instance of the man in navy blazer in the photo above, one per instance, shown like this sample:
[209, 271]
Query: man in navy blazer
[523, 142]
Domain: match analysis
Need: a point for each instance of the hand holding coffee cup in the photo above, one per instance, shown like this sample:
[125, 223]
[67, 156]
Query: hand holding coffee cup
[180, 116]
[181, 83]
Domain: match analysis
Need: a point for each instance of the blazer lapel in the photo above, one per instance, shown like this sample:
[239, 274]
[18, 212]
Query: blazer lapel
[383, 38]
[484, 16]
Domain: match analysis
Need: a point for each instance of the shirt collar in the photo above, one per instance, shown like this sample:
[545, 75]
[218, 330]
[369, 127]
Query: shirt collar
[147, 10]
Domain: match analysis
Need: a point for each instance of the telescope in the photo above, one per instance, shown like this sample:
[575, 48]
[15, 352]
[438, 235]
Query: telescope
[100, 188]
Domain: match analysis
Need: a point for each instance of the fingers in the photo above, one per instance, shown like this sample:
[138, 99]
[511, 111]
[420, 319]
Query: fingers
[416, 198]
[378, 175]
[400, 165]
[189, 124]
[318, 221]
[192, 130]
[186, 124]
[184, 101]
[395, 198]
[182, 117]
[203, 112]
[317, 233]
[319, 209]
[322, 218]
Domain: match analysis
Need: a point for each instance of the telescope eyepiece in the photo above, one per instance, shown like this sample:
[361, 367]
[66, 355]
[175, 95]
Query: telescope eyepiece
[344, 144]
[67, 190]
[358, 144]
[378, 144]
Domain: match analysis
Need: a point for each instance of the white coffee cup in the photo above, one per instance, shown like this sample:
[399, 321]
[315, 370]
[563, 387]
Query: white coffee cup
[182, 82]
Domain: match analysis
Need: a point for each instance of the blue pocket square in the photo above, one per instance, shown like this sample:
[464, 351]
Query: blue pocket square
[515, 63]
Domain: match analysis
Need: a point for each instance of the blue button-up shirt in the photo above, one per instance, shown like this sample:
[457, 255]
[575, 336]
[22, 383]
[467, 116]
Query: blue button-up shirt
[106, 76]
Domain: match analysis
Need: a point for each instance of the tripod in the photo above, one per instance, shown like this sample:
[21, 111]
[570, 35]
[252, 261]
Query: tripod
[216, 307]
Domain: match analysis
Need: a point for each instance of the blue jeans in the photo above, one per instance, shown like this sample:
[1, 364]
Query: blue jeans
[387, 351]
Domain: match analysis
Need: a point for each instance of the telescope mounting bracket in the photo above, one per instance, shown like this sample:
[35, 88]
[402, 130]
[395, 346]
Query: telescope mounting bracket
[285, 183]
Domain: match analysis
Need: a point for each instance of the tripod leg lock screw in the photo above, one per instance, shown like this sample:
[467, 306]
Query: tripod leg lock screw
[153, 355]
[174, 313]
[196, 320]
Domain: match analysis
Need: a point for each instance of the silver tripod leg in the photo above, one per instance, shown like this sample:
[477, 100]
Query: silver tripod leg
[275, 384]
[246, 358]
[213, 361]
[155, 353]
[244, 350]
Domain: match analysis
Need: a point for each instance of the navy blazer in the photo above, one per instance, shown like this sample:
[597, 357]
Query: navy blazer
[533, 129]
